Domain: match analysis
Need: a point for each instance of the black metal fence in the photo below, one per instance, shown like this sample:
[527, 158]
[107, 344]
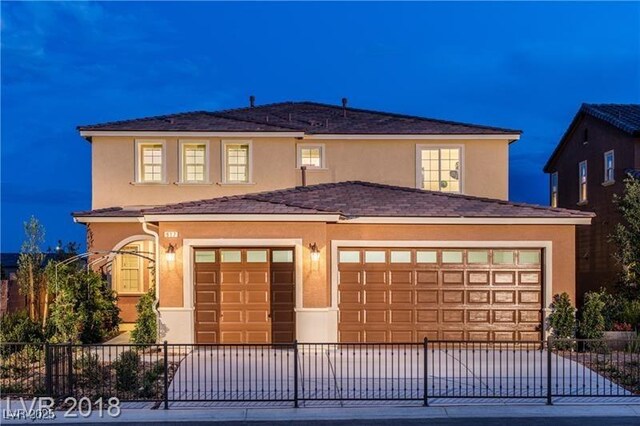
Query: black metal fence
[427, 372]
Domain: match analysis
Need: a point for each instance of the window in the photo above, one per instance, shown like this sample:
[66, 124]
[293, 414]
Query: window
[582, 182]
[150, 162]
[503, 257]
[439, 169]
[426, 256]
[452, 256]
[375, 256]
[609, 167]
[208, 256]
[237, 162]
[256, 256]
[478, 256]
[529, 257]
[554, 189]
[194, 162]
[400, 256]
[129, 275]
[311, 156]
[282, 256]
[350, 256]
[230, 256]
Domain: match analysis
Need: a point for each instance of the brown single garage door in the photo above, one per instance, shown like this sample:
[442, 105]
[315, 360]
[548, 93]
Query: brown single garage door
[244, 295]
[405, 295]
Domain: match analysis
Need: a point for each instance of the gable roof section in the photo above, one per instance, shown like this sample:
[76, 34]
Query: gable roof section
[307, 117]
[351, 200]
[625, 117]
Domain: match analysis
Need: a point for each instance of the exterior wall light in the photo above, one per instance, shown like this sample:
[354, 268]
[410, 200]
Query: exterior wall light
[170, 255]
[315, 253]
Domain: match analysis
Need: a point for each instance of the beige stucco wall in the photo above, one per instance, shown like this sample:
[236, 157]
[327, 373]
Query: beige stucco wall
[485, 168]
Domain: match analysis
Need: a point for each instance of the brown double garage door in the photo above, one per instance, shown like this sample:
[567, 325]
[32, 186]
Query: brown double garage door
[244, 295]
[405, 295]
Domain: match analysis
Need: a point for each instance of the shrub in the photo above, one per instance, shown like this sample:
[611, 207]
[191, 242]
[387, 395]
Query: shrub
[18, 327]
[85, 308]
[562, 319]
[89, 369]
[631, 313]
[150, 385]
[591, 325]
[146, 328]
[126, 367]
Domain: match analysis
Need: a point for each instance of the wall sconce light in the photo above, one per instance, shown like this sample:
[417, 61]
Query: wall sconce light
[315, 253]
[171, 253]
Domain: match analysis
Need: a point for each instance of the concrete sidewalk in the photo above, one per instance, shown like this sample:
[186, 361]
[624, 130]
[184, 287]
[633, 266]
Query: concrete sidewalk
[357, 415]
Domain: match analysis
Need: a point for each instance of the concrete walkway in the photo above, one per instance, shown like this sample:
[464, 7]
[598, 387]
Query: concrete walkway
[328, 377]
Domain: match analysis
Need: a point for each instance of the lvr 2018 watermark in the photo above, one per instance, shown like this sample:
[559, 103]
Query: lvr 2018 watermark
[44, 408]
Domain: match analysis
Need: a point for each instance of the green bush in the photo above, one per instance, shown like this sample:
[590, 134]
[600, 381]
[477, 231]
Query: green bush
[631, 313]
[146, 328]
[562, 319]
[591, 324]
[89, 369]
[150, 385]
[18, 327]
[126, 367]
[84, 309]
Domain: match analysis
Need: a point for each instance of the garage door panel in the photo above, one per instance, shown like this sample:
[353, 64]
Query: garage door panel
[504, 278]
[206, 296]
[452, 278]
[351, 336]
[526, 297]
[427, 278]
[504, 296]
[375, 277]
[424, 296]
[350, 277]
[207, 277]
[453, 316]
[373, 316]
[231, 296]
[231, 277]
[402, 296]
[452, 296]
[478, 316]
[427, 296]
[375, 296]
[478, 297]
[426, 316]
[529, 278]
[476, 278]
[400, 277]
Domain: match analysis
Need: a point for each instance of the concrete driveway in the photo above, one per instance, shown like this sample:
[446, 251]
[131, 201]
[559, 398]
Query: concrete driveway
[234, 374]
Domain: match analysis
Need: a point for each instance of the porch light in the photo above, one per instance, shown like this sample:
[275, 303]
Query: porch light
[315, 253]
[170, 255]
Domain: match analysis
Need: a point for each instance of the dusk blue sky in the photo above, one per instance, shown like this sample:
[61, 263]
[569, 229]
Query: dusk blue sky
[519, 65]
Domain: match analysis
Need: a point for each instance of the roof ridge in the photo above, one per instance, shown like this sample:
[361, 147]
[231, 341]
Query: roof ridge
[264, 123]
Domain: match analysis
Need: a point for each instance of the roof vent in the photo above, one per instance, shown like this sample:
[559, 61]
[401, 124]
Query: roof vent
[252, 101]
[344, 106]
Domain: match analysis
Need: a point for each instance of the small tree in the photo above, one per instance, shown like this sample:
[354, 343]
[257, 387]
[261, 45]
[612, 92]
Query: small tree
[626, 235]
[562, 320]
[30, 266]
[592, 322]
[146, 328]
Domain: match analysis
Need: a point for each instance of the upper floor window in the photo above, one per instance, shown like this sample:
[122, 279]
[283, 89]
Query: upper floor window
[194, 162]
[554, 189]
[237, 162]
[582, 181]
[439, 169]
[150, 162]
[311, 156]
[609, 166]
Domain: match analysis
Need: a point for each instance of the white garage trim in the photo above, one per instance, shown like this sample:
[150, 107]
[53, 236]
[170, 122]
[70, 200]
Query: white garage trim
[188, 261]
[547, 246]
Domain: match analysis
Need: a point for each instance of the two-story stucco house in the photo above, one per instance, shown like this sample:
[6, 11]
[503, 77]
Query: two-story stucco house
[314, 222]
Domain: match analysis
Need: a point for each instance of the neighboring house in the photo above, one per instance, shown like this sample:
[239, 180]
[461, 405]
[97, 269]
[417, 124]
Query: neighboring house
[589, 165]
[245, 253]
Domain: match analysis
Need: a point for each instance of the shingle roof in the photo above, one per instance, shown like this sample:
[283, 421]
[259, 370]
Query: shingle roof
[307, 117]
[356, 199]
[625, 117]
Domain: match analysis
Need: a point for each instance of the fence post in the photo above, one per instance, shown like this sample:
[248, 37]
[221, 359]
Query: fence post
[424, 360]
[166, 375]
[549, 369]
[47, 370]
[70, 367]
[295, 373]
